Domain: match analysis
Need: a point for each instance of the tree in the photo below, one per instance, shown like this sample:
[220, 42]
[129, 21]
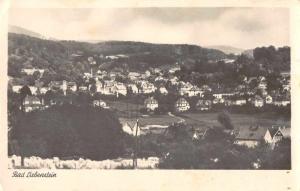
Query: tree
[24, 91]
[225, 120]
[68, 131]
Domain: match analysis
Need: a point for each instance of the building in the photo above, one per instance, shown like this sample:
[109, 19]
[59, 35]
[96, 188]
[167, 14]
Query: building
[34, 90]
[250, 136]
[31, 71]
[129, 126]
[32, 103]
[281, 102]
[182, 105]
[151, 104]
[276, 133]
[240, 101]
[16, 88]
[100, 103]
[147, 87]
[269, 99]
[257, 101]
[203, 105]
[134, 89]
[163, 90]
[43, 90]
[134, 75]
[120, 89]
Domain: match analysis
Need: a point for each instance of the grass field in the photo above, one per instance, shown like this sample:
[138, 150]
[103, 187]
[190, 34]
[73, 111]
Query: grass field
[211, 119]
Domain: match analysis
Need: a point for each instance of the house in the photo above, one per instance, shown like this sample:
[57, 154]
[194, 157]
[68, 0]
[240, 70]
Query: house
[250, 136]
[163, 90]
[16, 88]
[33, 90]
[218, 100]
[172, 70]
[147, 87]
[133, 75]
[147, 73]
[268, 99]
[182, 105]
[43, 90]
[71, 86]
[203, 105]
[130, 127]
[120, 88]
[174, 80]
[108, 88]
[257, 101]
[151, 104]
[32, 103]
[223, 93]
[199, 134]
[98, 86]
[134, 88]
[30, 71]
[240, 101]
[184, 88]
[276, 133]
[82, 88]
[262, 85]
[100, 103]
[286, 87]
[281, 101]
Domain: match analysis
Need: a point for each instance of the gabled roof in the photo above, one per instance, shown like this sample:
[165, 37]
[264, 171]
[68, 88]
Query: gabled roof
[255, 133]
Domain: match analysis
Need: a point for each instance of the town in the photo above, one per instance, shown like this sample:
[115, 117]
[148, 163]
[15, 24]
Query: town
[148, 102]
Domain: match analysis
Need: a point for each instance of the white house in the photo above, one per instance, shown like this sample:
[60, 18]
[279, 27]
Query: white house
[100, 103]
[182, 105]
[257, 101]
[16, 88]
[120, 89]
[281, 102]
[33, 90]
[276, 133]
[133, 88]
[240, 101]
[151, 104]
[32, 103]
[147, 87]
[163, 90]
[30, 71]
[44, 90]
[269, 99]
[203, 105]
[130, 127]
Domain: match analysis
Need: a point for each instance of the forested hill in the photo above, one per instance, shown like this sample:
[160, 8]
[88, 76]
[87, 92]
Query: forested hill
[25, 51]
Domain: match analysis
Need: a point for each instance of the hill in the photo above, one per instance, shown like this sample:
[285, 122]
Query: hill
[68, 59]
[20, 30]
[228, 49]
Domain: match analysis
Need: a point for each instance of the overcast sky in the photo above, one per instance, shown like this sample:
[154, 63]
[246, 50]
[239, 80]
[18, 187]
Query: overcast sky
[238, 27]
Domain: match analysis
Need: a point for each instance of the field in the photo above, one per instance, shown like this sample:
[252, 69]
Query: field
[211, 119]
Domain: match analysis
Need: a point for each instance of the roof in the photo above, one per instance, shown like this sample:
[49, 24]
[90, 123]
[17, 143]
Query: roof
[32, 100]
[181, 100]
[254, 132]
[150, 100]
[285, 131]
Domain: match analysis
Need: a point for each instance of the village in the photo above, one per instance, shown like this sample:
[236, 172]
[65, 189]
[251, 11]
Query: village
[111, 87]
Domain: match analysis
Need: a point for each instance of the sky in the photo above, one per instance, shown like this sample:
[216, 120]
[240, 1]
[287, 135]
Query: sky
[244, 28]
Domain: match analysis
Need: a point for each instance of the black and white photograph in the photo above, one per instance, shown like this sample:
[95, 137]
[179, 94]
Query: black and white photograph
[152, 88]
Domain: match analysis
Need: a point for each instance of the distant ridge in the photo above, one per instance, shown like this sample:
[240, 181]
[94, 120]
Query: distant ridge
[228, 49]
[20, 30]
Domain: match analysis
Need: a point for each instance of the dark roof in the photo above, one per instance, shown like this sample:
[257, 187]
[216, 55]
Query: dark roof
[251, 133]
